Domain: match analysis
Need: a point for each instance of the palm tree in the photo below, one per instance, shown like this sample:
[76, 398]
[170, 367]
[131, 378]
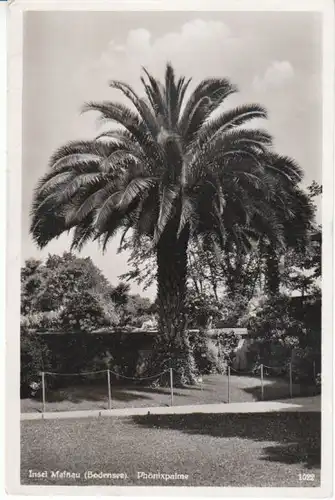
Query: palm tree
[172, 172]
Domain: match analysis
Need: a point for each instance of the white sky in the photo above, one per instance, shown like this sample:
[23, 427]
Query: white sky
[274, 58]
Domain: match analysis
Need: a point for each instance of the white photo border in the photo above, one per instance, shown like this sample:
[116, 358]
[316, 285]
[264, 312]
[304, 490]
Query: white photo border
[16, 10]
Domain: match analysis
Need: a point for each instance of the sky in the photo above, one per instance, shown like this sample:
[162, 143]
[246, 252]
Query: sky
[69, 57]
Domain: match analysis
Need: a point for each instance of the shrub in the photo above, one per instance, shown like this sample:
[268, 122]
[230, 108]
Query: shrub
[214, 355]
[304, 366]
[228, 342]
[35, 357]
[200, 308]
[203, 308]
[87, 312]
[205, 353]
[280, 337]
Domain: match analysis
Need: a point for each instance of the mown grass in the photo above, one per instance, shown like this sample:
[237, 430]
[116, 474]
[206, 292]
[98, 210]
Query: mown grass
[264, 449]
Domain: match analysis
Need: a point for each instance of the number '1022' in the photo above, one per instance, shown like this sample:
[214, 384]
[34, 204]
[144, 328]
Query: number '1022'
[306, 477]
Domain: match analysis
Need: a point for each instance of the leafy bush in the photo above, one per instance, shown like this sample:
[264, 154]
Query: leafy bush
[205, 354]
[65, 293]
[228, 343]
[35, 358]
[214, 355]
[86, 312]
[280, 337]
[274, 319]
[232, 311]
[201, 308]
[304, 368]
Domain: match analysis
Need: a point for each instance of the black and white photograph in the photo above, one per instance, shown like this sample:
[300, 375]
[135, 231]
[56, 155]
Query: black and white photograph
[173, 204]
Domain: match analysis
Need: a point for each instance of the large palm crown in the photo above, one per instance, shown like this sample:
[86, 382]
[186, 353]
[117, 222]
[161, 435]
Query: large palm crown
[171, 163]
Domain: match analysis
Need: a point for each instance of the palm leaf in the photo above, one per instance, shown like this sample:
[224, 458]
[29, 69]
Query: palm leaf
[144, 111]
[79, 182]
[88, 203]
[155, 94]
[107, 210]
[215, 91]
[166, 210]
[229, 120]
[187, 215]
[136, 189]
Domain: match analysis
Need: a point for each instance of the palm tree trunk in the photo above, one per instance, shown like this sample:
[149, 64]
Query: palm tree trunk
[172, 347]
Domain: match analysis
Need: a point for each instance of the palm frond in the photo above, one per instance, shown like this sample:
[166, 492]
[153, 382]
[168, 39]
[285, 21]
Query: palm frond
[210, 91]
[228, 120]
[83, 233]
[78, 148]
[155, 94]
[48, 183]
[142, 108]
[182, 87]
[88, 203]
[79, 182]
[136, 189]
[122, 115]
[166, 210]
[188, 215]
[286, 167]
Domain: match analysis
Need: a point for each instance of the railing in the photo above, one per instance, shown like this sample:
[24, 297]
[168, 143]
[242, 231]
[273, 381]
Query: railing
[109, 391]
[227, 393]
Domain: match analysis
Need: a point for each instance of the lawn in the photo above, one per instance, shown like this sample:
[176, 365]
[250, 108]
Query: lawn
[264, 449]
[214, 389]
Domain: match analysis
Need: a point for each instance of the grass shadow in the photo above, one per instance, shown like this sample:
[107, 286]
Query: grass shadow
[298, 434]
[85, 393]
[161, 390]
[76, 394]
[275, 390]
[292, 453]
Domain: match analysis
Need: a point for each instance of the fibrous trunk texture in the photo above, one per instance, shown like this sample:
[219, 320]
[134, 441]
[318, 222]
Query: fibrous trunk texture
[172, 347]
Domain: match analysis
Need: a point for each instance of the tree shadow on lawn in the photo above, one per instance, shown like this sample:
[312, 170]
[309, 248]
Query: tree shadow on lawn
[95, 393]
[76, 394]
[166, 390]
[99, 393]
[279, 389]
[298, 434]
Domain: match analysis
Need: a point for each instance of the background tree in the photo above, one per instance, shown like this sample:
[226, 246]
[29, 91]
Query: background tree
[134, 311]
[302, 249]
[142, 265]
[120, 293]
[67, 293]
[301, 272]
[172, 171]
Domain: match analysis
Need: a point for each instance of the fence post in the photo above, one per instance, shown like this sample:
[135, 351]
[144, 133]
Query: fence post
[228, 384]
[262, 386]
[291, 385]
[171, 385]
[109, 390]
[43, 392]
